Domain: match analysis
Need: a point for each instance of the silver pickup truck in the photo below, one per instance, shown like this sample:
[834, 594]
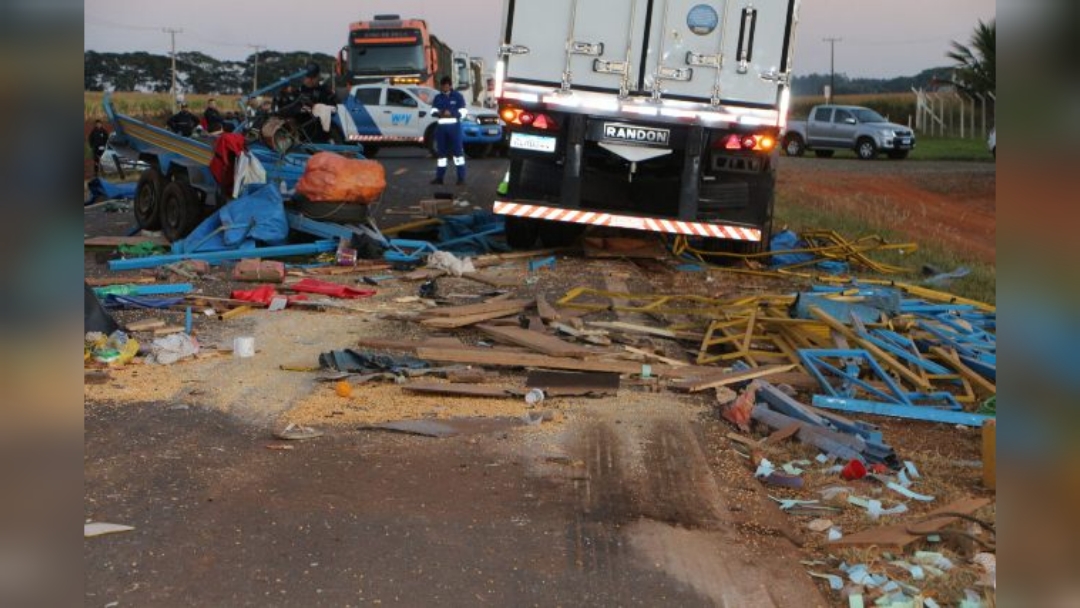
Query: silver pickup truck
[830, 128]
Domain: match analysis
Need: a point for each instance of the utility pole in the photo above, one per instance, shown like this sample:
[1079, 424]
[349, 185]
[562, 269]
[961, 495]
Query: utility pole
[832, 65]
[172, 34]
[255, 77]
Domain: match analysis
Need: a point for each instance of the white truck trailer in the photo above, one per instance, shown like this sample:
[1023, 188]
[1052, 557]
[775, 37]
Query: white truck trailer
[655, 115]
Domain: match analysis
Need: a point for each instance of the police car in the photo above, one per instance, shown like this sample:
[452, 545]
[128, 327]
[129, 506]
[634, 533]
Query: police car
[401, 115]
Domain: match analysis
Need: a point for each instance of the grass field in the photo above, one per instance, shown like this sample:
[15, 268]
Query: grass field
[980, 285]
[150, 105]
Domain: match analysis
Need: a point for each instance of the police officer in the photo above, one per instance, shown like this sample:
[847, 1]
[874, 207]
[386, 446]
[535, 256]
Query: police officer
[183, 122]
[450, 108]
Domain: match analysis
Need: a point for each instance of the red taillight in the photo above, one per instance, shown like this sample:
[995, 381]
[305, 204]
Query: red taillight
[756, 143]
[544, 122]
[524, 118]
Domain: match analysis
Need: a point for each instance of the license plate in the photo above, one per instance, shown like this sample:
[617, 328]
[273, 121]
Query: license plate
[491, 131]
[906, 141]
[535, 143]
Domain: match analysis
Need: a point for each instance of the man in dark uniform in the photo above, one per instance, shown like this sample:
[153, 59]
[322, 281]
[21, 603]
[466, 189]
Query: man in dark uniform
[183, 122]
[314, 92]
[213, 117]
[97, 139]
[449, 106]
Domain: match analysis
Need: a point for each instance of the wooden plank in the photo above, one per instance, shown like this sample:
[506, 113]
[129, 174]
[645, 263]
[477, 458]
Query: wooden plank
[573, 384]
[145, 325]
[493, 279]
[645, 329]
[504, 358]
[494, 259]
[694, 385]
[456, 322]
[463, 390]
[116, 241]
[547, 311]
[236, 312]
[655, 357]
[108, 281]
[165, 331]
[785, 433]
[541, 343]
[953, 360]
[895, 537]
[475, 309]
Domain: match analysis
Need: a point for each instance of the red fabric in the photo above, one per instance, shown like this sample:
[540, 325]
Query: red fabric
[223, 166]
[854, 470]
[262, 294]
[331, 289]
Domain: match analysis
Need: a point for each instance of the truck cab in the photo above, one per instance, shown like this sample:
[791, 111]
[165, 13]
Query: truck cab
[401, 115]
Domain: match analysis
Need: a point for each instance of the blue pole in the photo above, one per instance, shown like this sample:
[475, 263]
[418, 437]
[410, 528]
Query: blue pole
[222, 256]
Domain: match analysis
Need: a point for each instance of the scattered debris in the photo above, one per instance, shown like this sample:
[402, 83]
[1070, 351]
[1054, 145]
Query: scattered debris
[94, 529]
[297, 432]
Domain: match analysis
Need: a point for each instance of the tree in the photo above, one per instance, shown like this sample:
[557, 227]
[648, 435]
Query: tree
[976, 70]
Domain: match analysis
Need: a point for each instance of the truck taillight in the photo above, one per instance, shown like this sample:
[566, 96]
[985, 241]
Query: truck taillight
[524, 118]
[755, 143]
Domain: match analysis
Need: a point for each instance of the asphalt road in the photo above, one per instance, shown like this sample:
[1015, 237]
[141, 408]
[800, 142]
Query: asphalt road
[409, 171]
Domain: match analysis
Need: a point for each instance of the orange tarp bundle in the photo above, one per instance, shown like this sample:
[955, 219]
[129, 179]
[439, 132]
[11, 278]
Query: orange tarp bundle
[332, 178]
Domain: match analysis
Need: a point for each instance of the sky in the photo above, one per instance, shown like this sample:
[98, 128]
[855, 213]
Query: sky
[878, 38]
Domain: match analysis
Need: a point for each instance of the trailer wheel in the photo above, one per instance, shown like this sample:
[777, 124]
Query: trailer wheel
[180, 210]
[794, 145]
[521, 232]
[148, 199]
[477, 150]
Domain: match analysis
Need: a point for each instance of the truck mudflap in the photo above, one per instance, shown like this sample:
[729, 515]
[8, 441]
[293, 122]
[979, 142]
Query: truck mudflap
[612, 220]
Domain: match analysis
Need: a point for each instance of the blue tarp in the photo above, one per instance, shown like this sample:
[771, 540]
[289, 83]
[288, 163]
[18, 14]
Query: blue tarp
[102, 189]
[786, 240]
[257, 217]
[468, 234]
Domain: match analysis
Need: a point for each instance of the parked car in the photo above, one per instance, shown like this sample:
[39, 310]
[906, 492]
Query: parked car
[831, 127]
[393, 115]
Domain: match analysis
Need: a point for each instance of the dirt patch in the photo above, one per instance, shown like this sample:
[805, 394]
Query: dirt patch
[953, 204]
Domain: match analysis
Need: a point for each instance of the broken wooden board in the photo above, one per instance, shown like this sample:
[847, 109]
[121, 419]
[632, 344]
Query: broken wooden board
[475, 309]
[695, 384]
[165, 331]
[496, 357]
[463, 390]
[495, 259]
[896, 538]
[456, 322]
[785, 433]
[116, 241]
[145, 325]
[655, 357]
[546, 311]
[493, 279]
[533, 340]
[561, 384]
[108, 281]
[645, 329]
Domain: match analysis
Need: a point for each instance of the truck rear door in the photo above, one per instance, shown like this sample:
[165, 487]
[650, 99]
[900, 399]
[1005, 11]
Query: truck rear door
[701, 50]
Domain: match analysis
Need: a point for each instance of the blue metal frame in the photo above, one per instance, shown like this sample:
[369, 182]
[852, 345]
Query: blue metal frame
[911, 412]
[222, 256]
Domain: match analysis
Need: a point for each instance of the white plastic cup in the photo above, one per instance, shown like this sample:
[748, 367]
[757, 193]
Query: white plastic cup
[534, 396]
[243, 347]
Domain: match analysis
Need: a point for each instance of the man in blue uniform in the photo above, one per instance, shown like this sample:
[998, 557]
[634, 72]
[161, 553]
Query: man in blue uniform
[449, 106]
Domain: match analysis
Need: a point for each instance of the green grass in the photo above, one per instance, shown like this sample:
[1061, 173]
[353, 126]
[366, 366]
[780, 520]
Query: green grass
[951, 148]
[980, 285]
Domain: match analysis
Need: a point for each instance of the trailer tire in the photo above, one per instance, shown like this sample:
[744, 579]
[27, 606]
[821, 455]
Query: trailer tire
[521, 232]
[148, 199]
[794, 145]
[181, 210]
